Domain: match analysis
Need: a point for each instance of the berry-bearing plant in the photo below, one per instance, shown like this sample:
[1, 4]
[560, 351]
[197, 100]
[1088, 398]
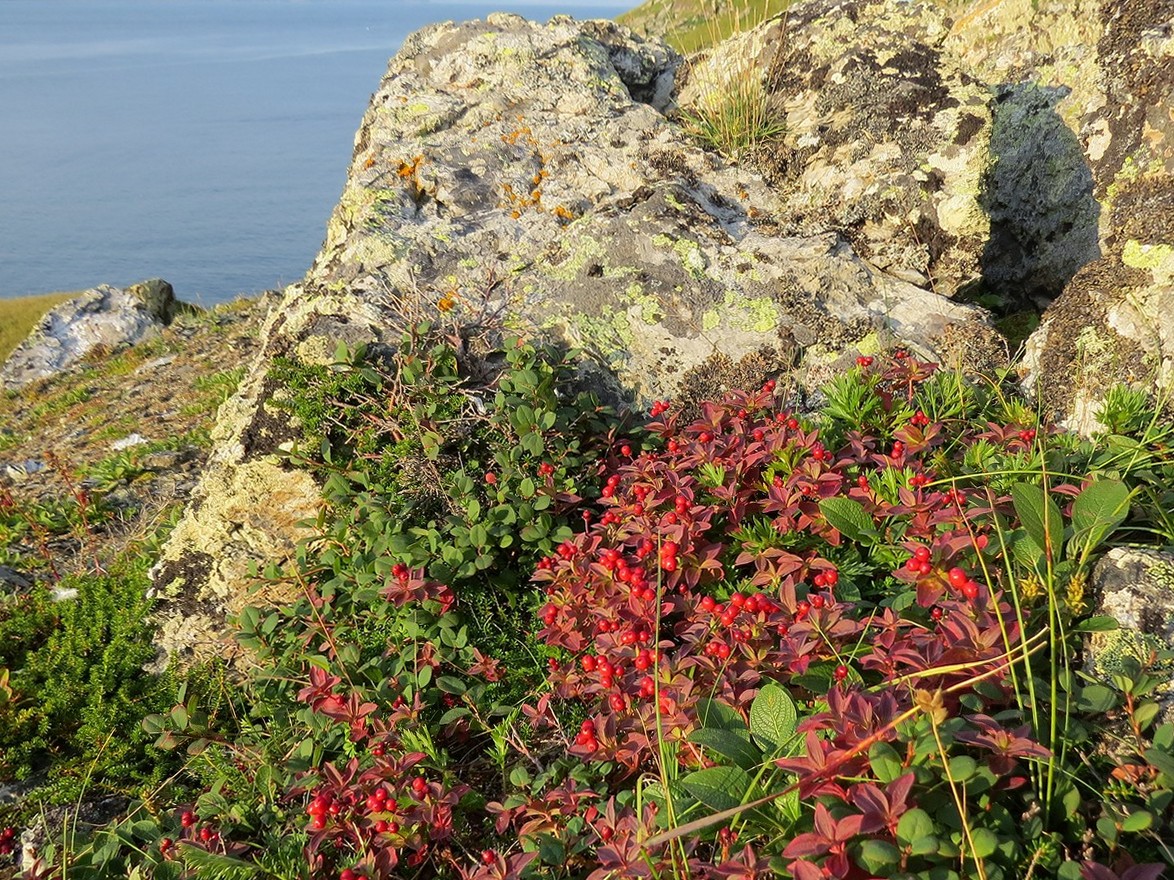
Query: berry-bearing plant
[530, 639]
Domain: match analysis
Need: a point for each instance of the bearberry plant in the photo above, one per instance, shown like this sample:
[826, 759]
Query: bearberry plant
[531, 639]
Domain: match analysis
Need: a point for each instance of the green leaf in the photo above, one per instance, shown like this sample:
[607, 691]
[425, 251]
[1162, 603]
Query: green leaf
[985, 842]
[1040, 517]
[526, 489]
[773, 716]
[719, 788]
[728, 744]
[453, 714]
[924, 846]
[1163, 760]
[1098, 511]
[885, 761]
[848, 516]
[711, 713]
[1139, 821]
[878, 855]
[962, 767]
[1099, 624]
[913, 825]
[1096, 699]
[450, 684]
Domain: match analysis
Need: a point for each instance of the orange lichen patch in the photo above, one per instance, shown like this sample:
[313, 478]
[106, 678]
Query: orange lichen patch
[370, 163]
[564, 214]
[410, 169]
[446, 302]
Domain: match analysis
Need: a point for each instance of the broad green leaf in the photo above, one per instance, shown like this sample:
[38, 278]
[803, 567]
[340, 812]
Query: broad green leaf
[773, 716]
[848, 516]
[728, 744]
[1163, 760]
[718, 788]
[1139, 821]
[885, 761]
[985, 842]
[1099, 624]
[1040, 517]
[1098, 511]
[711, 713]
[962, 767]
[877, 855]
[913, 825]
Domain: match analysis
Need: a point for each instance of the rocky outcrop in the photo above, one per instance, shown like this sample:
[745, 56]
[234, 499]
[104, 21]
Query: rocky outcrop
[1109, 67]
[1136, 587]
[525, 176]
[104, 318]
[933, 174]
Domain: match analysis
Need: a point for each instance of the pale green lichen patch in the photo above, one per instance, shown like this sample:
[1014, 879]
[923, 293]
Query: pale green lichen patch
[739, 312]
[644, 306]
[1157, 258]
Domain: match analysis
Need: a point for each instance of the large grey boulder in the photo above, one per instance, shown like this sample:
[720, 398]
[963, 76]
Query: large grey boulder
[102, 318]
[521, 175]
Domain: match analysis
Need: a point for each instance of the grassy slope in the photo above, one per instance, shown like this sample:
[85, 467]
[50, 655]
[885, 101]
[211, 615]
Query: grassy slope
[17, 317]
[689, 25]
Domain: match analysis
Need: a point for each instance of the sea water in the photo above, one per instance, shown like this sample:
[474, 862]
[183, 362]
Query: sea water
[200, 141]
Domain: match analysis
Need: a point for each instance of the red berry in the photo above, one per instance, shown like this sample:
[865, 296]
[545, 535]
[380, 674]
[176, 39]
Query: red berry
[831, 577]
[817, 600]
[921, 553]
[420, 786]
[188, 819]
[841, 672]
[491, 478]
[970, 590]
[936, 613]
[488, 857]
[957, 576]
[347, 874]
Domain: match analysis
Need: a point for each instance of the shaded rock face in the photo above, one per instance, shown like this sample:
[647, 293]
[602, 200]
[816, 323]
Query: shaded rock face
[525, 176]
[105, 317]
[1114, 60]
[1136, 587]
[933, 174]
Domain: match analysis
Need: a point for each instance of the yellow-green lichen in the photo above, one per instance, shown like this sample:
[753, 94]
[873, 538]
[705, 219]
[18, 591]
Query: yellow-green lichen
[645, 306]
[1157, 258]
[740, 312]
[584, 249]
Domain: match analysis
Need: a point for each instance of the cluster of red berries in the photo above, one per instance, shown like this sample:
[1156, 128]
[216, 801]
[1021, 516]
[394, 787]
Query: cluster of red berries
[920, 419]
[1027, 435]
[920, 563]
[351, 874]
[668, 555]
[864, 361]
[546, 469]
[586, 736]
[963, 582]
[659, 408]
[7, 841]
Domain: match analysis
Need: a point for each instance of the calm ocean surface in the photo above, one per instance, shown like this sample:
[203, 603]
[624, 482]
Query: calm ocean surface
[201, 141]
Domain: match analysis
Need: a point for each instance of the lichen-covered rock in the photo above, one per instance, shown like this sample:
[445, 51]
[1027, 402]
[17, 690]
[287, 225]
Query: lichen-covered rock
[1136, 587]
[883, 137]
[105, 317]
[1108, 66]
[524, 175]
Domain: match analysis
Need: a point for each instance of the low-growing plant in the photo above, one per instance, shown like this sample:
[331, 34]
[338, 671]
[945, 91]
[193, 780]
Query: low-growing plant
[532, 640]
